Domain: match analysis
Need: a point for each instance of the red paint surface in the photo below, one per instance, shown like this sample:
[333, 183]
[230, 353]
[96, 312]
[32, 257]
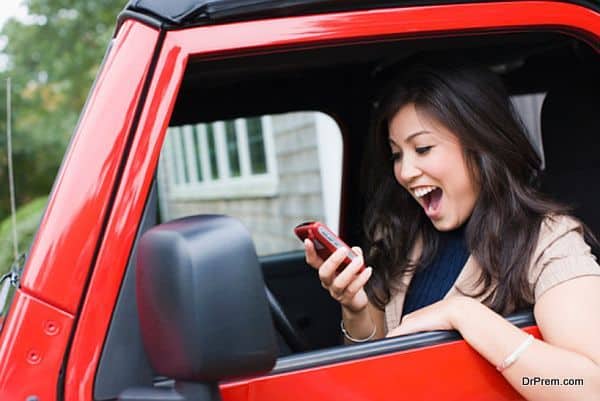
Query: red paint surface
[71, 229]
[267, 35]
[449, 372]
[385, 23]
[60, 260]
[122, 226]
[32, 347]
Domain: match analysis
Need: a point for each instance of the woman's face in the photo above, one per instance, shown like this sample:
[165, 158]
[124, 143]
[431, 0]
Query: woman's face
[429, 163]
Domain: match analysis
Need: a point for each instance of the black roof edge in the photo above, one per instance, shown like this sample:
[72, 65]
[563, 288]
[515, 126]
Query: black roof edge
[181, 13]
[177, 14]
[146, 19]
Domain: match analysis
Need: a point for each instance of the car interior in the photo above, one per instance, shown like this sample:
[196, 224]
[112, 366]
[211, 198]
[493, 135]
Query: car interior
[342, 80]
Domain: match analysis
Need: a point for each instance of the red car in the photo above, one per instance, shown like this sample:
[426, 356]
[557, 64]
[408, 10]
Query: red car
[103, 312]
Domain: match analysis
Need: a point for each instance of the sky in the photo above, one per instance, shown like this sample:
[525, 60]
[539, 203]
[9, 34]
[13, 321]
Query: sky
[11, 8]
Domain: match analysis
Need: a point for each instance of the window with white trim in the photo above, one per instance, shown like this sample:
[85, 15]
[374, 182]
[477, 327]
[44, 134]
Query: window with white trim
[270, 172]
[222, 159]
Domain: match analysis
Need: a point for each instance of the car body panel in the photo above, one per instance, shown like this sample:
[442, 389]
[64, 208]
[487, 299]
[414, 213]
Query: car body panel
[99, 196]
[56, 272]
[123, 223]
[381, 24]
[450, 371]
[32, 348]
[177, 14]
[266, 36]
[61, 256]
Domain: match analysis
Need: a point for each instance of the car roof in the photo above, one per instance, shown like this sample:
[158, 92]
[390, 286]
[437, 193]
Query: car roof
[173, 14]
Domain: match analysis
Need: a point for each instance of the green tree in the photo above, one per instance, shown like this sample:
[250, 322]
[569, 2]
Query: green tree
[52, 61]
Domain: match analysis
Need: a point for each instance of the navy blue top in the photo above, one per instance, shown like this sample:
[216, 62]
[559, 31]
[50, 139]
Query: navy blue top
[433, 282]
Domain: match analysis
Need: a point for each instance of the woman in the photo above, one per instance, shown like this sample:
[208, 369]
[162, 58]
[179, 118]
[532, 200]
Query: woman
[458, 236]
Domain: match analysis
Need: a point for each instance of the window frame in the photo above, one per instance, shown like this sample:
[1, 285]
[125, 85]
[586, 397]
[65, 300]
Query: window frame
[201, 185]
[178, 46]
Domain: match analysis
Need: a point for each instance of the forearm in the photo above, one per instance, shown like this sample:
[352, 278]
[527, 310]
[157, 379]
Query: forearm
[495, 338]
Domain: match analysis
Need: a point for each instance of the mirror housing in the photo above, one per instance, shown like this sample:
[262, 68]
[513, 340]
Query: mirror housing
[201, 301]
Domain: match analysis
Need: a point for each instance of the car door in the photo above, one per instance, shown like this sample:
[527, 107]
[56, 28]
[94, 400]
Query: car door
[319, 63]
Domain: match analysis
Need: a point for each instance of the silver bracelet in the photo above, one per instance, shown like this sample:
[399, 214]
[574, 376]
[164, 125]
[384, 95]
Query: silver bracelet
[512, 358]
[357, 340]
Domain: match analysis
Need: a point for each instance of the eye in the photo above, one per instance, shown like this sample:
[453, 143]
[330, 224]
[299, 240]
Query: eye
[396, 156]
[423, 149]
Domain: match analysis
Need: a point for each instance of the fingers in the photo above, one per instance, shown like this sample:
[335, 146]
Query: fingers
[312, 258]
[342, 286]
[328, 269]
[347, 275]
[350, 281]
[408, 325]
[348, 296]
[359, 282]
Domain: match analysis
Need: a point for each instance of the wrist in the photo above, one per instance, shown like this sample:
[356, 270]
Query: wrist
[357, 326]
[351, 315]
[354, 339]
[462, 308]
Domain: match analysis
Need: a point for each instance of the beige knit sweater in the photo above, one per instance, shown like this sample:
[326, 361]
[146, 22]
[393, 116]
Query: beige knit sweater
[561, 254]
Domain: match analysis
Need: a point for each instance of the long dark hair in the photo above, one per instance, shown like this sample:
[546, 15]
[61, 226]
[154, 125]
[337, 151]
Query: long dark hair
[503, 229]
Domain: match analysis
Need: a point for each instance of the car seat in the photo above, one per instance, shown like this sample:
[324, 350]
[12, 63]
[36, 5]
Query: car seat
[570, 123]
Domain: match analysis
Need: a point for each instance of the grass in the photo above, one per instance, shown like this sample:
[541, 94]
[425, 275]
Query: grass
[28, 219]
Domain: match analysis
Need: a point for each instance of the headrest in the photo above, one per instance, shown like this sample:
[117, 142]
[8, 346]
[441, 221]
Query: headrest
[570, 122]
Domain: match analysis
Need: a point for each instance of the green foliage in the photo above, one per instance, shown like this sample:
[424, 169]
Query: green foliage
[28, 219]
[52, 61]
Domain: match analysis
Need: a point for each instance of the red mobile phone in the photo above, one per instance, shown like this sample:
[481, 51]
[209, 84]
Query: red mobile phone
[326, 242]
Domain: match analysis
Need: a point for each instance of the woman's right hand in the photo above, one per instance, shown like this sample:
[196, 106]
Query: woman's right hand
[345, 286]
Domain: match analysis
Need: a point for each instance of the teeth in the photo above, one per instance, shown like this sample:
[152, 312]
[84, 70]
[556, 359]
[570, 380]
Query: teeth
[422, 191]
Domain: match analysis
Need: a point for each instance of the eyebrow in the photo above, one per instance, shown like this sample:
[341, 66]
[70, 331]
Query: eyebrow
[410, 137]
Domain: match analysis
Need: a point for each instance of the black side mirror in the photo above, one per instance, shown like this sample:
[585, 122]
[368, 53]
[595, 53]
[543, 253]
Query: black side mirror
[202, 305]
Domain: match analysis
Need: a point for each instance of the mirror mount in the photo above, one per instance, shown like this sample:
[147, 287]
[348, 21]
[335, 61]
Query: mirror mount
[181, 391]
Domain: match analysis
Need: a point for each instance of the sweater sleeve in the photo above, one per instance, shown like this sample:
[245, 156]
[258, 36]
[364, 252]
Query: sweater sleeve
[564, 255]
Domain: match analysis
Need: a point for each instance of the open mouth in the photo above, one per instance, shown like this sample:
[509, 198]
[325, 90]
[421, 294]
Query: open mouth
[430, 198]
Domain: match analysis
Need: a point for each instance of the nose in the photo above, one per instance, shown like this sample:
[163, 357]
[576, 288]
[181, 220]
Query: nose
[407, 171]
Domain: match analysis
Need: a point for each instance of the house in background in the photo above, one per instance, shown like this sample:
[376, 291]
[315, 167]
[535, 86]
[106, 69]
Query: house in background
[271, 172]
